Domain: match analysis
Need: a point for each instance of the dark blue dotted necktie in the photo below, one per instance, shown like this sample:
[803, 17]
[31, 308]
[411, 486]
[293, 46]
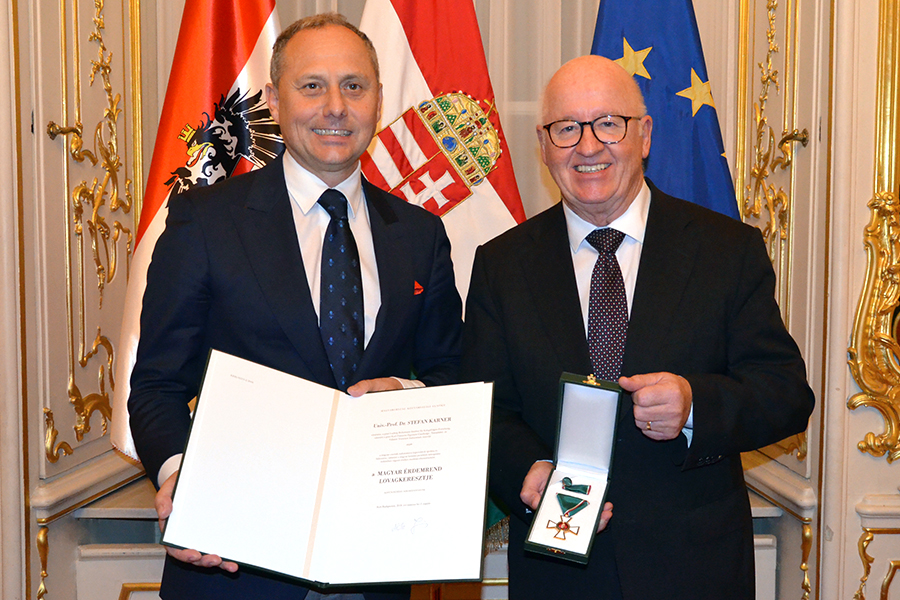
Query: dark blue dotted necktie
[607, 309]
[341, 316]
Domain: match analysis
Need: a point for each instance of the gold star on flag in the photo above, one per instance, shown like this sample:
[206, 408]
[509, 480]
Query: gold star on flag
[699, 93]
[632, 61]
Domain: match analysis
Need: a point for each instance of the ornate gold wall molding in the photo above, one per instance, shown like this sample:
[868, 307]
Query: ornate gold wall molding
[806, 535]
[765, 179]
[97, 210]
[893, 567]
[137, 115]
[769, 155]
[865, 539]
[43, 546]
[129, 588]
[805, 549]
[873, 357]
[51, 448]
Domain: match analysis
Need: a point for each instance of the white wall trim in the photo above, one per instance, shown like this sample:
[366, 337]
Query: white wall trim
[12, 512]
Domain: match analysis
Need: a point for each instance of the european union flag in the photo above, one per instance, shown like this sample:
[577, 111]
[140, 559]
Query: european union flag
[658, 43]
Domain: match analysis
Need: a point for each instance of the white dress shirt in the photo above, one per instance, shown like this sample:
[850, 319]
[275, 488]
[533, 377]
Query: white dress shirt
[633, 223]
[311, 220]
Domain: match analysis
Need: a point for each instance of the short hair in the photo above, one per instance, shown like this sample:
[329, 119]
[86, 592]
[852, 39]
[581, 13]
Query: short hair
[319, 21]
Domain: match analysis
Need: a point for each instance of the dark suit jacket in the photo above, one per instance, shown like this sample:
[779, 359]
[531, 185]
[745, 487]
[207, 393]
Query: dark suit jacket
[703, 308]
[227, 274]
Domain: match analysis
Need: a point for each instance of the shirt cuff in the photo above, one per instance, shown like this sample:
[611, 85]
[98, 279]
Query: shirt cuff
[172, 464]
[688, 429]
[409, 384]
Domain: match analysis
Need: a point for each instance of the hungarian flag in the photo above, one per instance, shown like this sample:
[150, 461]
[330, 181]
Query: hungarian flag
[658, 43]
[215, 123]
[440, 145]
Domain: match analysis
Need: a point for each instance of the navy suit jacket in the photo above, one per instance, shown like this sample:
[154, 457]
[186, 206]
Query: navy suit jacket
[227, 273]
[704, 309]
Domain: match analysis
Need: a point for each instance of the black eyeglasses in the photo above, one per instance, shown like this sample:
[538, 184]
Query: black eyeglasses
[608, 129]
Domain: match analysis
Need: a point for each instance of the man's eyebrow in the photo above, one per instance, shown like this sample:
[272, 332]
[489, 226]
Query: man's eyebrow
[355, 75]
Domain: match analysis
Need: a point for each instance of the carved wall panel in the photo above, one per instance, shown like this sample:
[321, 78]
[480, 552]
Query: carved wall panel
[781, 177]
[773, 186]
[84, 228]
[78, 217]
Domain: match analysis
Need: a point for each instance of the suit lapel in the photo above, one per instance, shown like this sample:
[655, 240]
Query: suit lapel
[395, 279]
[265, 224]
[547, 264]
[667, 259]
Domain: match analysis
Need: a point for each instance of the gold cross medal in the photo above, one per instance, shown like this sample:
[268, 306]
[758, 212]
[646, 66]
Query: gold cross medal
[562, 527]
[569, 505]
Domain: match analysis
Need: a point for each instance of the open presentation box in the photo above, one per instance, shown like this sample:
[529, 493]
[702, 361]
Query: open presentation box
[566, 519]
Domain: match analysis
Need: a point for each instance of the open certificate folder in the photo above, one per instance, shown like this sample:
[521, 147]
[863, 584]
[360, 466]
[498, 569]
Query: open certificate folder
[300, 479]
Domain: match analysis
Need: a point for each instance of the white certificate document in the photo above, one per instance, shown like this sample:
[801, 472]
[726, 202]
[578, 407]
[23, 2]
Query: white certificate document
[296, 478]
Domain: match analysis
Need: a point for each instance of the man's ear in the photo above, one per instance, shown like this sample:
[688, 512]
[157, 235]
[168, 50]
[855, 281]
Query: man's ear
[272, 100]
[646, 131]
[542, 140]
[380, 101]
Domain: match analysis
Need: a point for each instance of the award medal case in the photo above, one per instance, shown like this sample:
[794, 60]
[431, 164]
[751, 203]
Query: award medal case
[566, 520]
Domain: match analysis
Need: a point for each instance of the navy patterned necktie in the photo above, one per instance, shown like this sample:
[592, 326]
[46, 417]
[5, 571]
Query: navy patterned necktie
[341, 315]
[607, 309]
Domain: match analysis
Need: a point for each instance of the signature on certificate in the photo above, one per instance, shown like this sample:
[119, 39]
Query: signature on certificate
[417, 525]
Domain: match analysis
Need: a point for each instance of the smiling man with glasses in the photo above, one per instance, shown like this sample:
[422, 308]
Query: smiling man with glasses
[673, 301]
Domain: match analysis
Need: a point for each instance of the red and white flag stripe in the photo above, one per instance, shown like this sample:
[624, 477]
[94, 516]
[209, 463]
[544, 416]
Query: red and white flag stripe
[399, 146]
[223, 48]
[427, 48]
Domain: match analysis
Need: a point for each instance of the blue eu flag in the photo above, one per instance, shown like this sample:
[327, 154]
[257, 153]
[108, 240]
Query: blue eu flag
[658, 43]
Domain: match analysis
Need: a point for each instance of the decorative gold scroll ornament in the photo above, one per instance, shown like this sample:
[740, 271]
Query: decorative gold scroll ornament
[875, 352]
[770, 157]
[51, 448]
[43, 546]
[92, 203]
[806, 536]
[865, 539]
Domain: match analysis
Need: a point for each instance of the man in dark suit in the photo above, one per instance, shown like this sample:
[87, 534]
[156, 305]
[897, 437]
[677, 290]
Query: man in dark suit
[243, 267]
[707, 364]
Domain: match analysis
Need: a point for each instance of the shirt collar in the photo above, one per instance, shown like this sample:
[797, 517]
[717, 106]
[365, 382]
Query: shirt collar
[305, 188]
[633, 222]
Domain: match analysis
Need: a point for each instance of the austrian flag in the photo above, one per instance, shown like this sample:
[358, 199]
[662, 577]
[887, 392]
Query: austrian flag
[214, 124]
[440, 145]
